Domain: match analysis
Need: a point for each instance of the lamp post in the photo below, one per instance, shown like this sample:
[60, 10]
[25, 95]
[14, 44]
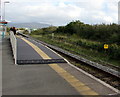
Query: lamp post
[0, 11]
[119, 13]
[3, 20]
[4, 10]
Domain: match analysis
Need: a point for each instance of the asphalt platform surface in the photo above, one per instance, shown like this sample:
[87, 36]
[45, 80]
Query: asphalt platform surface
[41, 79]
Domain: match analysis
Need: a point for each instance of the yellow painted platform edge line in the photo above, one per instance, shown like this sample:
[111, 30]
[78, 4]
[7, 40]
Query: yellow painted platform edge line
[69, 78]
[91, 76]
[81, 88]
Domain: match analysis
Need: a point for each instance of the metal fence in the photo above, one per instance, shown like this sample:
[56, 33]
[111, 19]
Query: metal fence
[13, 41]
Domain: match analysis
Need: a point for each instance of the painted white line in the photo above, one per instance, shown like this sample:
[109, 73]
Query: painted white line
[49, 49]
[113, 94]
[93, 77]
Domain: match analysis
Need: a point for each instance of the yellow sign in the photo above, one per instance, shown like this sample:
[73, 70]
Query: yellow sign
[105, 46]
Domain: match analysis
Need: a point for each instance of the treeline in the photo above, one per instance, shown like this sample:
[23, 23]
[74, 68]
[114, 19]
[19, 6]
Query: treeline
[44, 31]
[103, 33]
[99, 34]
[109, 33]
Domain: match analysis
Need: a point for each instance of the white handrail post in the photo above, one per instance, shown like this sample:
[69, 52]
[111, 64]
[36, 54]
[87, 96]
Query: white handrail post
[15, 50]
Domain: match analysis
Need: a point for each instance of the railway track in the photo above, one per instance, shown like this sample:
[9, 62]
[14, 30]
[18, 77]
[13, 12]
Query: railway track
[103, 75]
[100, 74]
[109, 74]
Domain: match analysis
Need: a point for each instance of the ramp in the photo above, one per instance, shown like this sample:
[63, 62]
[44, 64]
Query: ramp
[27, 54]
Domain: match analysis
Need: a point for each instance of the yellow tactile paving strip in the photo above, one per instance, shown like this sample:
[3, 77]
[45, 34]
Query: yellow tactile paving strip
[79, 86]
[37, 49]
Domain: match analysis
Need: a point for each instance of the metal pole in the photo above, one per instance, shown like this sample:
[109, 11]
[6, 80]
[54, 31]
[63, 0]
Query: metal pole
[119, 13]
[4, 12]
[4, 16]
[0, 9]
[4, 9]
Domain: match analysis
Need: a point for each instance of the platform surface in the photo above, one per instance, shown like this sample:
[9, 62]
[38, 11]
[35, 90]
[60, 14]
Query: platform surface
[26, 54]
[46, 79]
[31, 79]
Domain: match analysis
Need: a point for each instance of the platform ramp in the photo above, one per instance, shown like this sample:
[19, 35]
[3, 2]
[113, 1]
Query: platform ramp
[29, 51]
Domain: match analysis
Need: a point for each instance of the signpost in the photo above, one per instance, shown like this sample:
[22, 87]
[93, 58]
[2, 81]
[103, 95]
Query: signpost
[52, 35]
[106, 46]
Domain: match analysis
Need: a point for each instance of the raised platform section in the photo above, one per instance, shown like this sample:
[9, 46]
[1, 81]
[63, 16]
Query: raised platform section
[32, 52]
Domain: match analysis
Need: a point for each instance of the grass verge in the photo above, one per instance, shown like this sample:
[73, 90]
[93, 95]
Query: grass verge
[89, 54]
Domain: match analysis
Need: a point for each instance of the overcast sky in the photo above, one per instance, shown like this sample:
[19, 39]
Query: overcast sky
[61, 12]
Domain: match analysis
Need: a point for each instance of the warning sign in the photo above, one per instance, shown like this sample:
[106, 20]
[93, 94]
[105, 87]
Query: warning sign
[106, 46]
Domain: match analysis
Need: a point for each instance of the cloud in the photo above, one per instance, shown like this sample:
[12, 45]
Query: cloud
[61, 12]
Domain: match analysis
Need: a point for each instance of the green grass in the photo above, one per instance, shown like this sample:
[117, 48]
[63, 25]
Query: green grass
[66, 42]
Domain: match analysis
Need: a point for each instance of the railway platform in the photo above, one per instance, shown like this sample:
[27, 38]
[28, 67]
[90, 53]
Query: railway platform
[53, 76]
[32, 52]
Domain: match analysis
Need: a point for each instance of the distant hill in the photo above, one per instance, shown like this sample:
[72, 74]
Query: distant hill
[28, 25]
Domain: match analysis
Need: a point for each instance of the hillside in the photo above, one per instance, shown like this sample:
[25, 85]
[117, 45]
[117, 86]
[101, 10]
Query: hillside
[28, 25]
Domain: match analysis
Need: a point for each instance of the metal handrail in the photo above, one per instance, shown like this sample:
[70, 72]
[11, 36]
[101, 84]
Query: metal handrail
[13, 41]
